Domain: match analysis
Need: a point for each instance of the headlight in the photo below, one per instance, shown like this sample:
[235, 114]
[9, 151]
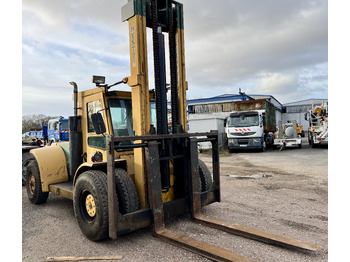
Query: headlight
[256, 140]
[97, 157]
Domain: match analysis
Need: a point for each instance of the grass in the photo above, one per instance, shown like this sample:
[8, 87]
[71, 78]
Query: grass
[28, 139]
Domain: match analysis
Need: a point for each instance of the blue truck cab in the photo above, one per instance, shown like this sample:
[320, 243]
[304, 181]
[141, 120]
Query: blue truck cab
[58, 130]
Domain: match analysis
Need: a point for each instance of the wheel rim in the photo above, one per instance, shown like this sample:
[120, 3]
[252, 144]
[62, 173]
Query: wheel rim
[90, 205]
[31, 184]
[87, 206]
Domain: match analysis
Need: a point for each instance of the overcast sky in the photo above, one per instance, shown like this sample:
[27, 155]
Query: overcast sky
[270, 47]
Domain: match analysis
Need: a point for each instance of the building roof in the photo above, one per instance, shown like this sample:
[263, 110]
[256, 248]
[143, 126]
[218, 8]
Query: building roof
[230, 97]
[306, 102]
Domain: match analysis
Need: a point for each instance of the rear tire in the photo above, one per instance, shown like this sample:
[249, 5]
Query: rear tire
[26, 157]
[33, 185]
[205, 176]
[91, 204]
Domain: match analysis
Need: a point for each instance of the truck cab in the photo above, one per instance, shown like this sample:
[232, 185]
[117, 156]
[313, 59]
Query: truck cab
[58, 130]
[251, 125]
[245, 129]
[115, 107]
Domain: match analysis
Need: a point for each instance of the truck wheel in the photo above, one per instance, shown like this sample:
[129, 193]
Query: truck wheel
[311, 142]
[313, 145]
[205, 176]
[310, 139]
[263, 147]
[26, 157]
[33, 185]
[126, 191]
[90, 203]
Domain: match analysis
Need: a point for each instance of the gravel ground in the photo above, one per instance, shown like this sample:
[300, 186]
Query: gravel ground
[292, 200]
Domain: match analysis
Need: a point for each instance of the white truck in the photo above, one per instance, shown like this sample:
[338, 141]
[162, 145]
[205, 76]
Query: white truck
[251, 125]
[318, 125]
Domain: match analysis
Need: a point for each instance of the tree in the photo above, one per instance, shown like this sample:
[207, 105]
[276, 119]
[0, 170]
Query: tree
[34, 121]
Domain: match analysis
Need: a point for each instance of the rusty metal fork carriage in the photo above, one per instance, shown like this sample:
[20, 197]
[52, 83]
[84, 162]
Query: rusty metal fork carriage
[191, 202]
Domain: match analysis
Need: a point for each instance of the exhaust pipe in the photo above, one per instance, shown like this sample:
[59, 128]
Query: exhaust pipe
[75, 97]
[75, 137]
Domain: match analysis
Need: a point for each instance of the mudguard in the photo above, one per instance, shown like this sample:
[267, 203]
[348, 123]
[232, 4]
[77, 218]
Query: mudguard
[52, 164]
[121, 163]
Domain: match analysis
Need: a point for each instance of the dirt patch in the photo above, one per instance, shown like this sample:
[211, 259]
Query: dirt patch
[302, 226]
[272, 187]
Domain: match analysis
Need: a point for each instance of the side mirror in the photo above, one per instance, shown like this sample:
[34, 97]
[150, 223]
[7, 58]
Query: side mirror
[97, 122]
[305, 116]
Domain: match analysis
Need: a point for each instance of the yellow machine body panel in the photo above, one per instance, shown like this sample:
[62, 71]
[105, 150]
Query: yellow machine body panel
[183, 85]
[52, 165]
[138, 81]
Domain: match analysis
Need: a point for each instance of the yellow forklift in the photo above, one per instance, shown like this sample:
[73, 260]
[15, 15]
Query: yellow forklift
[124, 167]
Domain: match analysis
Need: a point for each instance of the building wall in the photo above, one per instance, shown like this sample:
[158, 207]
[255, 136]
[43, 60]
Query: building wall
[206, 123]
[209, 113]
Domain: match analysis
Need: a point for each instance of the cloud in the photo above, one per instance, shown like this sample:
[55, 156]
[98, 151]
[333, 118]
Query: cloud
[277, 83]
[229, 44]
[252, 37]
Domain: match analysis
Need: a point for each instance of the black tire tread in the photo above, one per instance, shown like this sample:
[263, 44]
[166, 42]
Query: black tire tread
[126, 191]
[39, 197]
[99, 179]
[26, 157]
[205, 176]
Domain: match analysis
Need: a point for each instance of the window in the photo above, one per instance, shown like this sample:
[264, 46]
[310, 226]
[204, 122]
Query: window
[121, 116]
[243, 121]
[64, 125]
[92, 107]
[53, 125]
[97, 141]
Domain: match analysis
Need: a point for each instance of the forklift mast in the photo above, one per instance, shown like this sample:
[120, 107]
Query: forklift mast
[162, 16]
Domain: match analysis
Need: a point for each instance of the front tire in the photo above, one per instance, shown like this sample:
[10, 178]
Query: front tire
[90, 203]
[309, 138]
[313, 145]
[33, 184]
